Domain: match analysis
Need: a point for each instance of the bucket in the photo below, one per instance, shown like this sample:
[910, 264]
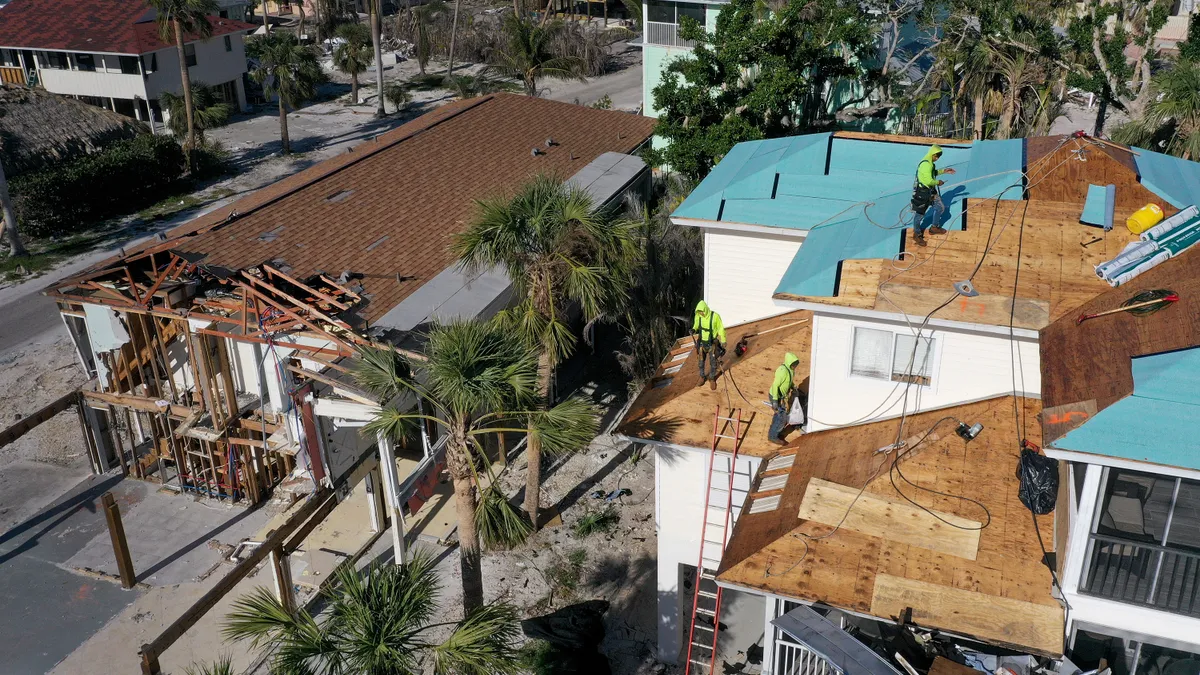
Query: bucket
[1144, 218]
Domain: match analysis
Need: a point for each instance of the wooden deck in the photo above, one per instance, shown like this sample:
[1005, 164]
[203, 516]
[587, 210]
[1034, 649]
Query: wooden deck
[888, 554]
[676, 407]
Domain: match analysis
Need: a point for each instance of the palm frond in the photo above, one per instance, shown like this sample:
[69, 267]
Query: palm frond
[475, 365]
[566, 427]
[485, 643]
[500, 525]
[394, 425]
[383, 372]
[222, 666]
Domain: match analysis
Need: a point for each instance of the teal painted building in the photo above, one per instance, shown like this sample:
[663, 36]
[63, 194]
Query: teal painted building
[661, 41]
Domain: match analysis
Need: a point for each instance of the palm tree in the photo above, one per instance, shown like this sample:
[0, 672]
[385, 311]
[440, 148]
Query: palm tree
[476, 379]
[222, 666]
[174, 18]
[300, 10]
[8, 220]
[560, 248]
[287, 70]
[453, 37]
[422, 17]
[353, 56]
[1173, 116]
[529, 57]
[208, 111]
[374, 10]
[378, 622]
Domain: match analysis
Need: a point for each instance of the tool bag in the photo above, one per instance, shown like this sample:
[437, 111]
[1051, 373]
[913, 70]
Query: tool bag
[922, 199]
[1038, 475]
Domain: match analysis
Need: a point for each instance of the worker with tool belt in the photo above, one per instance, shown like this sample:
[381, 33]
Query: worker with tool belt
[782, 390]
[926, 194]
[708, 332]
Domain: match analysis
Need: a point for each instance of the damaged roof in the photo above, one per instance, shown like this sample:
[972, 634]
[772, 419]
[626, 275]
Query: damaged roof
[386, 211]
[969, 565]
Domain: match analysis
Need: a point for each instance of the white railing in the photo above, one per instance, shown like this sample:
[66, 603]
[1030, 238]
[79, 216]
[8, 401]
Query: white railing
[794, 659]
[666, 34]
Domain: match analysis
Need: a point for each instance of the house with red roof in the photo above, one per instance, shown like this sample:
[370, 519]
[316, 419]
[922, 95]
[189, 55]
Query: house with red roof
[109, 53]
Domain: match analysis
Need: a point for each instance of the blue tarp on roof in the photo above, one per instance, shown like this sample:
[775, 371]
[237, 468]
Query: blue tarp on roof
[1156, 423]
[1175, 180]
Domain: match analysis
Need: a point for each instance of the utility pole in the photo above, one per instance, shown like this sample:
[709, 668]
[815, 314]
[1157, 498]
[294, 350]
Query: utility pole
[8, 224]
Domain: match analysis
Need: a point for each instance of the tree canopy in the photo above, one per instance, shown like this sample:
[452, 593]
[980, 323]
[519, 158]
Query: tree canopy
[756, 77]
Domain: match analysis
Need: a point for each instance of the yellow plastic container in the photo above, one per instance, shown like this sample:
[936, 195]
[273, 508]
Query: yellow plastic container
[1144, 218]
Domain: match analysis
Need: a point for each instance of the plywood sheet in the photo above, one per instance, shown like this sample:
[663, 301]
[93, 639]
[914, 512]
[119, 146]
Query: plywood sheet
[1021, 624]
[828, 503]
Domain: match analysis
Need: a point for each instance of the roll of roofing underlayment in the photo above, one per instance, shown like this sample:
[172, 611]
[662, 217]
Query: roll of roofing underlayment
[1099, 206]
[1157, 245]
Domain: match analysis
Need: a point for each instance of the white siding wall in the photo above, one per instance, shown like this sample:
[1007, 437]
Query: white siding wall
[741, 271]
[679, 507]
[213, 66]
[98, 83]
[966, 367]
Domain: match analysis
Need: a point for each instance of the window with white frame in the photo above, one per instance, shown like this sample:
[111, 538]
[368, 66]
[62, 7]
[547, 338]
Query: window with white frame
[887, 355]
[189, 54]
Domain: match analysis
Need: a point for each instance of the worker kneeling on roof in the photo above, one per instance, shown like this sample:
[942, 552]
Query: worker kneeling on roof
[926, 194]
[709, 333]
[782, 390]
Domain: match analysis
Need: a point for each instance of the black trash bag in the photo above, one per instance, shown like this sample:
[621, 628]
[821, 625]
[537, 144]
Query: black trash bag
[1038, 475]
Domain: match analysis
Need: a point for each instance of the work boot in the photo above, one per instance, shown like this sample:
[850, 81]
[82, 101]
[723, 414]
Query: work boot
[712, 384]
[937, 229]
[778, 441]
[919, 238]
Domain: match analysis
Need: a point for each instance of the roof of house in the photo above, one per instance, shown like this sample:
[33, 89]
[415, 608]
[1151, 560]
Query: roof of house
[1154, 423]
[38, 127]
[851, 193]
[1090, 367]
[969, 565]
[387, 210]
[674, 406]
[107, 26]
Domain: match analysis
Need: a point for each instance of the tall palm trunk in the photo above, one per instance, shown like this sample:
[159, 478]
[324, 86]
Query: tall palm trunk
[186, 80]
[376, 10]
[977, 105]
[533, 448]
[8, 220]
[1004, 127]
[300, 28]
[283, 132]
[466, 501]
[266, 24]
[453, 35]
[354, 88]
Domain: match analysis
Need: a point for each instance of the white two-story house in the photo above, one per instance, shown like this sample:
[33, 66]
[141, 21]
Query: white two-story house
[109, 53]
[889, 507]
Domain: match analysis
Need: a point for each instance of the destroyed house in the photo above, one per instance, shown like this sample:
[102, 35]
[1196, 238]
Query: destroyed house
[888, 510]
[219, 351]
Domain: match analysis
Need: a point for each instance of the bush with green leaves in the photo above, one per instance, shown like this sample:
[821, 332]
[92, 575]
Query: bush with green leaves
[72, 196]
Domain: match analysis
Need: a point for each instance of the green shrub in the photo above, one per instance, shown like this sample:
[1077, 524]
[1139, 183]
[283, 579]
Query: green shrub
[122, 178]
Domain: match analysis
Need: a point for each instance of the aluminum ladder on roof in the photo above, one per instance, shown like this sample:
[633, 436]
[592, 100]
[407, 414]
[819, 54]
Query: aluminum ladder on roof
[714, 535]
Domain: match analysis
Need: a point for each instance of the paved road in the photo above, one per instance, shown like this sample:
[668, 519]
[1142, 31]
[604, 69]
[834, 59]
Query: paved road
[48, 610]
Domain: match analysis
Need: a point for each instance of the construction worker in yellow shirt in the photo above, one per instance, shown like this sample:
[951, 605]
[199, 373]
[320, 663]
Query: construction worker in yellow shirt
[926, 194]
[783, 389]
[708, 332]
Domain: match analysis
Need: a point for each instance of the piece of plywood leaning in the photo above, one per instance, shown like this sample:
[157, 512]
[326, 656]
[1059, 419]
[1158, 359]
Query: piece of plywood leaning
[828, 503]
[1026, 625]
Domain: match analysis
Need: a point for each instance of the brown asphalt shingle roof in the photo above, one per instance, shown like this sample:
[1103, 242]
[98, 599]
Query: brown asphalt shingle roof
[391, 206]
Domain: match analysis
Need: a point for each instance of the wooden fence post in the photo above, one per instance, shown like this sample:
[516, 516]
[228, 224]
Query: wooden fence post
[112, 513]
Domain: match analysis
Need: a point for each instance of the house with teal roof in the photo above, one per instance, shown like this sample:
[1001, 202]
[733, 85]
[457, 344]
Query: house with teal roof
[808, 250]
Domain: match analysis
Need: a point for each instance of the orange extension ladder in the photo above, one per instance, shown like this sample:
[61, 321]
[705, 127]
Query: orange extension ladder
[714, 534]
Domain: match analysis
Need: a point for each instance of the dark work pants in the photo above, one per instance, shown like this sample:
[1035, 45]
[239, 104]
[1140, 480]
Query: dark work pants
[779, 422]
[708, 353]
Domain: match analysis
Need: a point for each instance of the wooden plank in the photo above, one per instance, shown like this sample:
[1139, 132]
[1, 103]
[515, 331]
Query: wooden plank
[992, 309]
[901, 138]
[142, 403]
[1013, 623]
[29, 422]
[829, 503]
[944, 666]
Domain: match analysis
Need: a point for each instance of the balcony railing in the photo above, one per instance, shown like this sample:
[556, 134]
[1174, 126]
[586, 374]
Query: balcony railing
[1142, 573]
[794, 659]
[666, 34]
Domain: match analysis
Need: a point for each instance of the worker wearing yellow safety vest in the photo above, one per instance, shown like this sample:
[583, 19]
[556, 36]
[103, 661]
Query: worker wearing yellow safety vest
[708, 333]
[782, 390]
[926, 194]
